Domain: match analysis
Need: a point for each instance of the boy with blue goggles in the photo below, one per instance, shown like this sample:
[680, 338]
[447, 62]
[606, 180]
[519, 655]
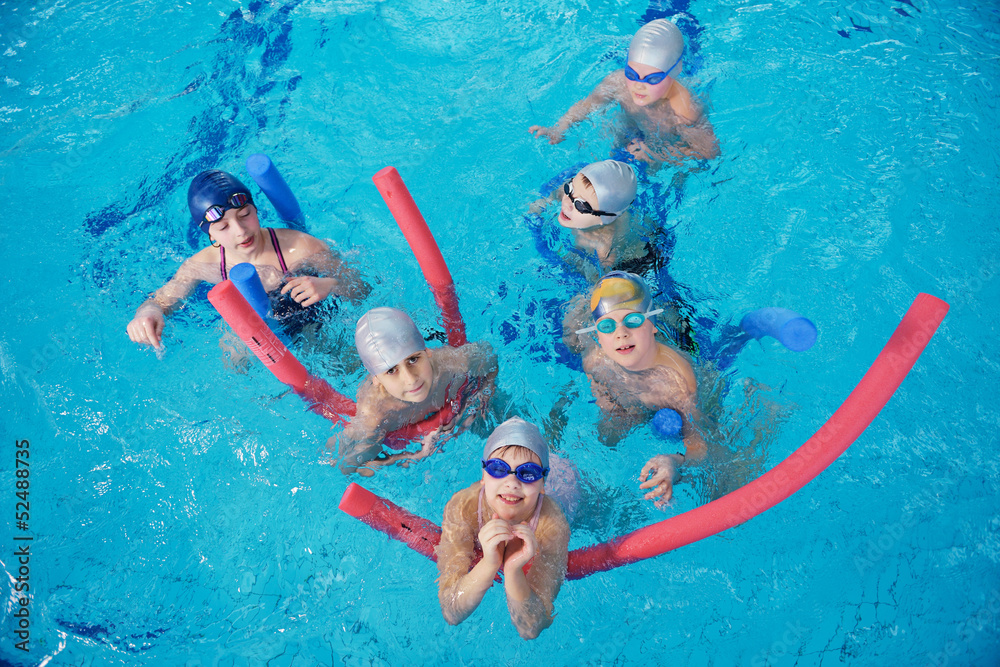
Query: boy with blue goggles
[508, 515]
[672, 126]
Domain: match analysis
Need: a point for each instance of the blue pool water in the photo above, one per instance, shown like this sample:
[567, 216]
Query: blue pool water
[182, 509]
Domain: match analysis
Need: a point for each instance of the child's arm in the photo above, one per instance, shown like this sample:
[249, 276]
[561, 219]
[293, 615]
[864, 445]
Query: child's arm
[360, 443]
[460, 590]
[530, 596]
[480, 359]
[337, 277]
[602, 95]
[662, 471]
[147, 324]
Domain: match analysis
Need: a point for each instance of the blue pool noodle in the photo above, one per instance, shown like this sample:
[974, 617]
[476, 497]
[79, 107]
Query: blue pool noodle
[245, 277]
[794, 331]
[667, 424]
[267, 176]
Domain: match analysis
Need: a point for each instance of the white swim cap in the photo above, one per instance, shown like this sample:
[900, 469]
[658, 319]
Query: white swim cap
[384, 337]
[657, 44]
[614, 183]
[620, 290]
[516, 431]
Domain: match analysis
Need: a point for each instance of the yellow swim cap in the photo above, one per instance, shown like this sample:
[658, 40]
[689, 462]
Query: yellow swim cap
[620, 290]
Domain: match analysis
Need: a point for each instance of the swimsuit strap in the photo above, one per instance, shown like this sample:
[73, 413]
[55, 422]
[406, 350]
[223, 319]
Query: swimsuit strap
[538, 512]
[277, 249]
[479, 512]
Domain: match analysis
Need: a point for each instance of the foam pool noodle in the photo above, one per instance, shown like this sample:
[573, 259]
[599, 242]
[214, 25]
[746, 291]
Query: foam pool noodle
[244, 276]
[270, 180]
[793, 330]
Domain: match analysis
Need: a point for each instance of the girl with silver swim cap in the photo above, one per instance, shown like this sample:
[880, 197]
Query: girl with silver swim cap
[670, 123]
[633, 375]
[507, 513]
[409, 384]
[222, 207]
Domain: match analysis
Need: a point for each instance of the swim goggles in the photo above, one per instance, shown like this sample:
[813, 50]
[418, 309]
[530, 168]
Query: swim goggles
[529, 472]
[581, 205]
[236, 200]
[632, 321]
[653, 78]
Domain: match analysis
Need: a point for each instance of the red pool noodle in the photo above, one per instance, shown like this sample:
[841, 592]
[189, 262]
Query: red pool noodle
[424, 248]
[323, 399]
[419, 534]
[833, 438]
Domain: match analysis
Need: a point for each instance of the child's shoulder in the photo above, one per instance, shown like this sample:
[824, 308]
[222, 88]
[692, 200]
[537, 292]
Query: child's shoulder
[678, 362]
[552, 531]
[464, 505]
[552, 521]
[684, 104]
[203, 265]
[293, 239]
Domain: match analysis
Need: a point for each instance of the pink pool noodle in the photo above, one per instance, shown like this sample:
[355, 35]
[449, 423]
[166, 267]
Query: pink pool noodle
[424, 248]
[323, 399]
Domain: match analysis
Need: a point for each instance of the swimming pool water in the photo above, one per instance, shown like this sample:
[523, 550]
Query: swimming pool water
[182, 509]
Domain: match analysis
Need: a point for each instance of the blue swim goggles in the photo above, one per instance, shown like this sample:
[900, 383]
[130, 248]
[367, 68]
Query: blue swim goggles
[215, 212]
[529, 472]
[632, 321]
[651, 79]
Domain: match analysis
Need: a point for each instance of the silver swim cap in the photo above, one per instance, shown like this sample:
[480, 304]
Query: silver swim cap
[620, 290]
[384, 337]
[657, 44]
[614, 183]
[516, 431]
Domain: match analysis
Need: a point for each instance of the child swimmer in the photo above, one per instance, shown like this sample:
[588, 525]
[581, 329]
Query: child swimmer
[671, 125]
[633, 375]
[595, 208]
[222, 207]
[409, 383]
[509, 519]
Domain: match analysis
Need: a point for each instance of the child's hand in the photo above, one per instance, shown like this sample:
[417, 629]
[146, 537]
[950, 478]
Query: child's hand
[147, 326]
[554, 135]
[429, 444]
[308, 290]
[493, 538]
[525, 552]
[639, 150]
[659, 474]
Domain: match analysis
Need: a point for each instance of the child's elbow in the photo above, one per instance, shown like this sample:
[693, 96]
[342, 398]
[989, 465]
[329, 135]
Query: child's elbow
[535, 629]
[451, 618]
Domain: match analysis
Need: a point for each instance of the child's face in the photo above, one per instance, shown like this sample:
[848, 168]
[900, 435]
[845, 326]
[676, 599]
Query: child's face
[411, 379]
[632, 349]
[238, 230]
[510, 498]
[644, 94]
[571, 218]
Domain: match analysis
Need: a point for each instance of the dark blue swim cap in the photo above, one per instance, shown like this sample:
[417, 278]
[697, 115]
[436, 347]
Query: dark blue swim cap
[212, 188]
